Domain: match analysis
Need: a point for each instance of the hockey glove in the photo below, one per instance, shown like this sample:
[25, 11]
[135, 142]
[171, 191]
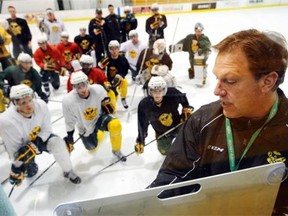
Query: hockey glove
[117, 80]
[187, 112]
[107, 86]
[107, 106]
[17, 173]
[69, 141]
[139, 148]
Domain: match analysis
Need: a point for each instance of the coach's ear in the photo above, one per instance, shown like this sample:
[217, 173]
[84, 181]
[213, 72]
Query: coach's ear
[269, 81]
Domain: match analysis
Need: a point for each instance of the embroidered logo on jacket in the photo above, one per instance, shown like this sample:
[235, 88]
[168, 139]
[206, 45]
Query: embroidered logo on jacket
[215, 148]
[275, 156]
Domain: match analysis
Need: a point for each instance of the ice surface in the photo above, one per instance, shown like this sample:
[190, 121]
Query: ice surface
[138, 172]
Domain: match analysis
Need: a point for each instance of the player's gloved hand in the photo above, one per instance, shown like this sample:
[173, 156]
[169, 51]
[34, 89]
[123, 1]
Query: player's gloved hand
[69, 141]
[17, 173]
[187, 112]
[107, 106]
[107, 85]
[117, 80]
[62, 71]
[139, 148]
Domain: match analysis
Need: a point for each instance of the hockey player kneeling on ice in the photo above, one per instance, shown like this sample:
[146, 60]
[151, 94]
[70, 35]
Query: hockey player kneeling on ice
[198, 46]
[88, 107]
[26, 131]
[117, 68]
[160, 109]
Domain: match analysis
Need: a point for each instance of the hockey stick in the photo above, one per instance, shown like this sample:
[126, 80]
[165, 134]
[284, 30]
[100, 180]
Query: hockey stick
[140, 71]
[162, 135]
[172, 50]
[57, 119]
[41, 174]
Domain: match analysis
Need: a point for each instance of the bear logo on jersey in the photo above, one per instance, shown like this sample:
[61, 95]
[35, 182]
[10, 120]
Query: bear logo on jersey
[274, 157]
[33, 135]
[151, 62]
[90, 113]
[27, 82]
[15, 28]
[67, 55]
[166, 119]
[133, 54]
[112, 71]
[84, 44]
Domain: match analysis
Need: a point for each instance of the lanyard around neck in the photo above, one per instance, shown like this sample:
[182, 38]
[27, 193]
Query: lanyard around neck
[230, 142]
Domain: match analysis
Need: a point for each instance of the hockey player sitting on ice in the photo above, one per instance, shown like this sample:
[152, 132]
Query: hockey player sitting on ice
[117, 68]
[155, 25]
[198, 46]
[88, 107]
[132, 49]
[127, 23]
[160, 109]
[48, 58]
[26, 131]
[68, 50]
[150, 57]
[24, 73]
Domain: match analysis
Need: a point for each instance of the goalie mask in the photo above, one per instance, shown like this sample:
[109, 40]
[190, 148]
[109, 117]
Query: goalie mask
[159, 47]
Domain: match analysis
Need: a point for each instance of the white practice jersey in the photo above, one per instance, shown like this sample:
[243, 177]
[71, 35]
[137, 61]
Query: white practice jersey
[83, 112]
[132, 52]
[53, 30]
[16, 130]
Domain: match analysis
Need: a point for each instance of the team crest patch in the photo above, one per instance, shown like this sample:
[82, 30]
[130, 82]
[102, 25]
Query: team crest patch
[90, 113]
[166, 119]
[275, 156]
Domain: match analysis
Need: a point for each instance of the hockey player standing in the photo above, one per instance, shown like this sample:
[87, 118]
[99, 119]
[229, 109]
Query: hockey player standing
[24, 73]
[88, 107]
[52, 27]
[155, 25]
[49, 59]
[84, 41]
[20, 32]
[96, 31]
[69, 51]
[196, 44]
[112, 25]
[5, 40]
[117, 68]
[26, 131]
[132, 49]
[160, 109]
[127, 23]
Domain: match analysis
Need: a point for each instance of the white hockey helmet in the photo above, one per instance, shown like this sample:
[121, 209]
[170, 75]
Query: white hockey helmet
[20, 91]
[65, 34]
[86, 59]
[42, 38]
[154, 6]
[114, 43]
[78, 77]
[199, 26]
[157, 82]
[159, 46]
[24, 57]
[159, 70]
[133, 33]
[127, 8]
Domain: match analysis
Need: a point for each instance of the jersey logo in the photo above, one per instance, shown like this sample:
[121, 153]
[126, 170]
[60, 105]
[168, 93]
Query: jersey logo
[275, 156]
[55, 29]
[151, 62]
[133, 54]
[27, 82]
[166, 119]
[90, 113]
[84, 44]
[15, 28]
[112, 71]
